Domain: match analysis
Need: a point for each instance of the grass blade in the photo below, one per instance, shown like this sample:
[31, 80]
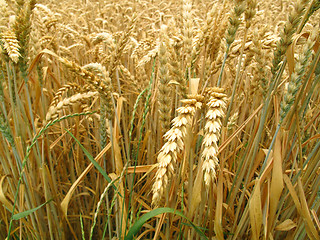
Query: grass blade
[28, 212]
[139, 223]
[100, 169]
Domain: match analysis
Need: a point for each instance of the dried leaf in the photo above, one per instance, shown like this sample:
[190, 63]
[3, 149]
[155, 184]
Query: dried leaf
[194, 85]
[255, 211]
[276, 182]
[196, 193]
[315, 217]
[292, 192]
[119, 160]
[286, 225]
[142, 169]
[3, 198]
[65, 202]
[310, 228]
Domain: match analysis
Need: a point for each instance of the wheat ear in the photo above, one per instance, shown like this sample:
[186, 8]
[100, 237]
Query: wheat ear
[296, 77]
[164, 88]
[174, 144]
[11, 45]
[216, 107]
[54, 109]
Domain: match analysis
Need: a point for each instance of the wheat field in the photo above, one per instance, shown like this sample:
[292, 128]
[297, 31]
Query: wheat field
[177, 119]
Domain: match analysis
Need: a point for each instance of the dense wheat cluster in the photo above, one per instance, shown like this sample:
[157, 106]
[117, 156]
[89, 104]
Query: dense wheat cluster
[178, 119]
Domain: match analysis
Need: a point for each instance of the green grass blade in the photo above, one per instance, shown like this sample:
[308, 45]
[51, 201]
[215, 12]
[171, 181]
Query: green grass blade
[139, 223]
[28, 212]
[94, 162]
[82, 230]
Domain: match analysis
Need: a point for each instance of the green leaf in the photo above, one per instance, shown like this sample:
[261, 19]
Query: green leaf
[94, 162]
[28, 212]
[139, 223]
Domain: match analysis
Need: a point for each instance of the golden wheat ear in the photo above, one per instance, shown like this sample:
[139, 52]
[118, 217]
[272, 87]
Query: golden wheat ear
[175, 138]
[11, 45]
[216, 106]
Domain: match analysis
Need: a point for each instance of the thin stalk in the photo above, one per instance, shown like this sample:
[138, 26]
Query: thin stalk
[270, 148]
[25, 78]
[223, 65]
[134, 113]
[81, 225]
[146, 110]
